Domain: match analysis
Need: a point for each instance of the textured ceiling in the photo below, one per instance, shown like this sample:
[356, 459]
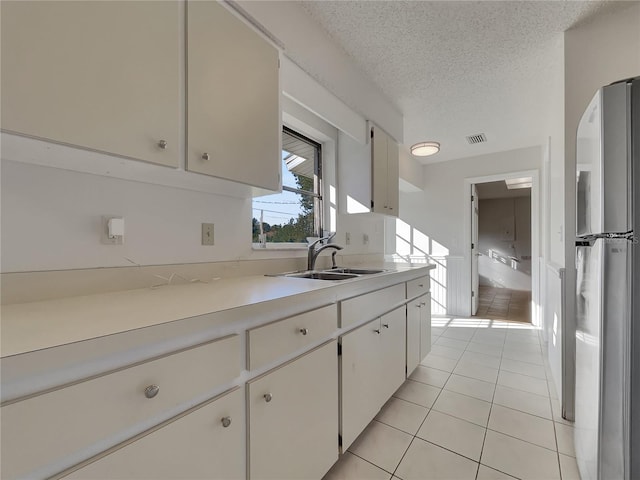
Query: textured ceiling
[458, 68]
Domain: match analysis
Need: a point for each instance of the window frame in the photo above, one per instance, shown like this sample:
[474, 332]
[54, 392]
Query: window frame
[317, 195]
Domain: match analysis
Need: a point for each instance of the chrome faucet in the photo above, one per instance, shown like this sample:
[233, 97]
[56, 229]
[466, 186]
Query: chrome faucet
[314, 252]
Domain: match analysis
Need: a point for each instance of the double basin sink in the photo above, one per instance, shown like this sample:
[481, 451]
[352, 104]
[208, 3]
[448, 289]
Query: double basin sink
[332, 274]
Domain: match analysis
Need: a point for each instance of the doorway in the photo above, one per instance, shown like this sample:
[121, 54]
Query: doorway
[503, 246]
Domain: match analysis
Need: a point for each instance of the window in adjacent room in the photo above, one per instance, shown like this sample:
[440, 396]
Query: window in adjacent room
[295, 214]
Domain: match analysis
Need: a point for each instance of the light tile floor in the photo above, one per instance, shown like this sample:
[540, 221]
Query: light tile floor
[480, 406]
[504, 304]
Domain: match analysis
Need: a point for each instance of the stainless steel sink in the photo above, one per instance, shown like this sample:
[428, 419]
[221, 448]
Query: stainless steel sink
[322, 275]
[355, 271]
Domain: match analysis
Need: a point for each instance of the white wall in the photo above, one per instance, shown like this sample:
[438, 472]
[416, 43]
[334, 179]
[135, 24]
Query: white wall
[496, 266]
[432, 221]
[439, 210]
[553, 168]
[311, 48]
[354, 173]
[51, 219]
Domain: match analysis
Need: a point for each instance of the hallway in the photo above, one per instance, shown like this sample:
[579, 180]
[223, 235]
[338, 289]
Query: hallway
[503, 303]
[480, 406]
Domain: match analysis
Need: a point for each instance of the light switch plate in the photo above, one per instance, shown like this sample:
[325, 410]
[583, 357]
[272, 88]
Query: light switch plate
[207, 234]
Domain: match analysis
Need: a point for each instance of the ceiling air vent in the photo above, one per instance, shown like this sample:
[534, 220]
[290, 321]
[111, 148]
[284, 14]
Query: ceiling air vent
[477, 138]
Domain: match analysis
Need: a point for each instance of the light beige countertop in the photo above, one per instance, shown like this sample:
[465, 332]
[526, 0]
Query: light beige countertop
[27, 327]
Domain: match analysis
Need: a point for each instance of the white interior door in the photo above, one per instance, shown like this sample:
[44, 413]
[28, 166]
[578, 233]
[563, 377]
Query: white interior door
[474, 249]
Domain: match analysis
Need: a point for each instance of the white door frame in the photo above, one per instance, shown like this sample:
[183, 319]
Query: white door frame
[536, 318]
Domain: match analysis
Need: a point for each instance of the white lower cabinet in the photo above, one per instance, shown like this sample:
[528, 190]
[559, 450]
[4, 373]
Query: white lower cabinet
[293, 418]
[414, 337]
[205, 443]
[372, 368]
[425, 325]
[418, 331]
[100, 408]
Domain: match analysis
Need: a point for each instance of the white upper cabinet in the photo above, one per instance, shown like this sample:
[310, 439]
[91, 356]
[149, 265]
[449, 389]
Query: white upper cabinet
[384, 173]
[233, 99]
[98, 75]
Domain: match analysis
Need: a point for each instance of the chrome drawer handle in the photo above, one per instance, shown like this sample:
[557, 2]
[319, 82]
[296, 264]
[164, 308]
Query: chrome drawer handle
[385, 325]
[268, 397]
[421, 285]
[304, 331]
[151, 391]
[226, 421]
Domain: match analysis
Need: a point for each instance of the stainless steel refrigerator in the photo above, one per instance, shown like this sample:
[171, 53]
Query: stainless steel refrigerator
[607, 395]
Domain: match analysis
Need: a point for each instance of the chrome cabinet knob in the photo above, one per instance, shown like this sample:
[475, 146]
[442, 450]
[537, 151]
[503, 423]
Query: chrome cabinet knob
[377, 330]
[422, 304]
[226, 421]
[162, 144]
[205, 156]
[151, 391]
[421, 285]
[268, 397]
[418, 305]
[304, 331]
[385, 325]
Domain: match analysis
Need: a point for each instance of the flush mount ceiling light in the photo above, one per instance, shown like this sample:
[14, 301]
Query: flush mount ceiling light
[424, 149]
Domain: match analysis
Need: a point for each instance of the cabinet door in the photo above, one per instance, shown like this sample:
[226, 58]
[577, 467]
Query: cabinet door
[385, 173]
[414, 336]
[197, 445]
[392, 357]
[393, 177]
[379, 179]
[99, 75]
[361, 349]
[293, 418]
[425, 325]
[233, 98]
[373, 367]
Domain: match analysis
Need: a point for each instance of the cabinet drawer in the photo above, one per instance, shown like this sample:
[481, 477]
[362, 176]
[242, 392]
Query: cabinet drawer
[45, 428]
[196, 445]
[370, 305]
[275, 340]
[416, 287]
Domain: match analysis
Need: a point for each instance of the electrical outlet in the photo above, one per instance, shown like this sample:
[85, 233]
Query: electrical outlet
[107, 239]
[207, 234]
[347, 238]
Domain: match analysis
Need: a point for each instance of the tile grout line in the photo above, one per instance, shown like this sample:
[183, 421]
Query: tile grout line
[490, 410]
[423, 420]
